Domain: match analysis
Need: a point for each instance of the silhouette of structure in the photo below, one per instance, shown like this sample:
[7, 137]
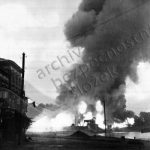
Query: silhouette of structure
[13, 103]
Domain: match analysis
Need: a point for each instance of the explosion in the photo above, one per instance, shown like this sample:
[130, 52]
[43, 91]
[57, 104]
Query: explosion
[114, 42]
[46, 123]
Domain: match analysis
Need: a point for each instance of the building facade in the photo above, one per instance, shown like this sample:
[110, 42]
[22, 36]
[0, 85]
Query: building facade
[13, 103]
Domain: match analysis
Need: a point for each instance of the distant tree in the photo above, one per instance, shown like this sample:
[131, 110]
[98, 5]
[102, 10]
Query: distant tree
[138, 121]
[143, 120]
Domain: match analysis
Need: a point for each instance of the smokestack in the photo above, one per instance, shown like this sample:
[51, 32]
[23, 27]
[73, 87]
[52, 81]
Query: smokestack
[23, 71]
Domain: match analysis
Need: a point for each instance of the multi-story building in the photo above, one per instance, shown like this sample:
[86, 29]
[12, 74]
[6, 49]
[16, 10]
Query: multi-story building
[12, 100]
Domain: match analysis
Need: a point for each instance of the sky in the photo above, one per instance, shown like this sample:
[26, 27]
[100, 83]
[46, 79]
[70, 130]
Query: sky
[36, 27]
[138, 94]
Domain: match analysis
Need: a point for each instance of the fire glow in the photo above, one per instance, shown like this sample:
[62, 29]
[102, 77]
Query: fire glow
[129, 121]
[82, 107]
[88, 115]
[44, 123]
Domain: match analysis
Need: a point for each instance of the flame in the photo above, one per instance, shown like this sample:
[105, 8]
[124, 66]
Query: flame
[100, 120]
[129, 121]
[99, 115]
[46, 124]
[82, 107]
[99, 107]
[88, 116]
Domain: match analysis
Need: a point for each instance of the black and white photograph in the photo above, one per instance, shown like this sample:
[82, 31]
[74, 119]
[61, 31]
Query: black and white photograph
[74, 74]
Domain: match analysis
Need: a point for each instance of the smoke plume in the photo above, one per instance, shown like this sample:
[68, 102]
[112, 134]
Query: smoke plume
[114, 35]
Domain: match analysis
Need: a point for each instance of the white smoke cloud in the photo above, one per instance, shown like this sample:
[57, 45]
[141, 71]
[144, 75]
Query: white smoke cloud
[138, 94]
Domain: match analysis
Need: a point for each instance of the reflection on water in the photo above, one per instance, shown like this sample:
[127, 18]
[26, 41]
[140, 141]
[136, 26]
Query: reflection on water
[131, 135]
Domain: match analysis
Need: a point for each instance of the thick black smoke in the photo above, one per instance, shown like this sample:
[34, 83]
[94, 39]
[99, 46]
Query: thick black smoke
[114, 35]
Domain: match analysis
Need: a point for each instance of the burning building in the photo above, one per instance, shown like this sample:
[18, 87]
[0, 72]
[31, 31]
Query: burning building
[114, 43]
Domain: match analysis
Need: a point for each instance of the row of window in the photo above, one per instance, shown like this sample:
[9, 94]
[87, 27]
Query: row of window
[3, 77]
[14, 88]
[13, 101]
[16, 81]
[15, 78]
